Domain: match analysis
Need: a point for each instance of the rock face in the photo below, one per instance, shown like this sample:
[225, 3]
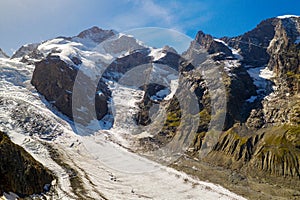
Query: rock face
[19, 172]
[253, 44]
[96, 34]
[261, 131]
[283, 105]
[124, 64]
[206, 41]
[55, 79]
[273, 151]
[238, 83]
[56, 71]
[25, 50]
[156, 92]
[284, 52]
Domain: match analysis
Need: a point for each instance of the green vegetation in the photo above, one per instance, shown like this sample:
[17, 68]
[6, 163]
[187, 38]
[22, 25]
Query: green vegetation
[204, 115]
[295, 79]
[242, 139]
[173, 117]
[295, 113]
[283, 137]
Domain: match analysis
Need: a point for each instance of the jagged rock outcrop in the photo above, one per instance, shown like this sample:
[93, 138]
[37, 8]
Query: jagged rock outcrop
[20, 173]
[25, 50]
[96, 34]
[207, 42]
[274, 42]
[28, 53]
[272, 151]
[157, 90]
[282, 106]
[253, 44]
[239, 85]
[284, 52]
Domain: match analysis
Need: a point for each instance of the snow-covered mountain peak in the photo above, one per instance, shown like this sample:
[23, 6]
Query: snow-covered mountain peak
[92, 44]
[119, 45]
[86, 54]
[169, 49]
[63, 48]
[96, 34]
[25, 50]
[287, 16]
[157, 53]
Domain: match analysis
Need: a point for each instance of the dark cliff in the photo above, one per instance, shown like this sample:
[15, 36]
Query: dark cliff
[20, 173]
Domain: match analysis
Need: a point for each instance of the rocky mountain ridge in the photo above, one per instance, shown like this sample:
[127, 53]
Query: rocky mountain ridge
[270, 52]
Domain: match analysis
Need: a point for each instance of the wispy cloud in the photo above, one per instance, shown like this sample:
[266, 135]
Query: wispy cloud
[137, 14]
[178, 15]
[35, 20]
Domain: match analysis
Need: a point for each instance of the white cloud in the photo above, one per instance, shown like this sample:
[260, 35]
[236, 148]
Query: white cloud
[137, 14]
[179, 15]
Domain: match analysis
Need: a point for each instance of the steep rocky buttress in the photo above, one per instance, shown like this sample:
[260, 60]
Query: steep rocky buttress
[20, 173]
[264, 112]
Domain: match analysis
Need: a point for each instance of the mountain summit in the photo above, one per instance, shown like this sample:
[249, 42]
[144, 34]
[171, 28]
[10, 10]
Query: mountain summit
[96, 34]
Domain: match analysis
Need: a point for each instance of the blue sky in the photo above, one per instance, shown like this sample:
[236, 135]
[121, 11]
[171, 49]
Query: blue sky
[27, 21]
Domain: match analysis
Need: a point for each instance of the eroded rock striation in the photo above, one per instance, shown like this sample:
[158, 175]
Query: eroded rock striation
[20, 173]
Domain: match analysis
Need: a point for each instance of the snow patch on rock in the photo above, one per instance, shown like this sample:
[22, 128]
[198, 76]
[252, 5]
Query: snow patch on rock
[157, 54]
[286, 16]
[262, 77]
[235, 52]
